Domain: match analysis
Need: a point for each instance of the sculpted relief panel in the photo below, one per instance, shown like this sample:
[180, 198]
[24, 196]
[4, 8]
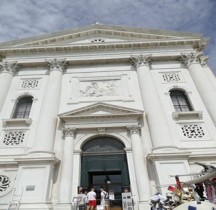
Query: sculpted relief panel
[99, 88]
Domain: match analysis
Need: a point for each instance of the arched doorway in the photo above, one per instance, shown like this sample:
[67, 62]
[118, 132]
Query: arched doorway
[104, 163]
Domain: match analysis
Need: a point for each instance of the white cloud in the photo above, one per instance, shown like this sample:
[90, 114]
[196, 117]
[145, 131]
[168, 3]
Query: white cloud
[24, 18]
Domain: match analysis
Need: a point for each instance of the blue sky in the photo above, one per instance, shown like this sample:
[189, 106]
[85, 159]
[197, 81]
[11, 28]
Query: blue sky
[26, 18]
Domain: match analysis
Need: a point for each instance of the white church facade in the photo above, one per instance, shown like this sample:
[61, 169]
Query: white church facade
[78, 107]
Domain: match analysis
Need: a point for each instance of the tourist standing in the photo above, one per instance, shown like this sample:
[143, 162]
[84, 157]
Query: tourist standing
[91, 196]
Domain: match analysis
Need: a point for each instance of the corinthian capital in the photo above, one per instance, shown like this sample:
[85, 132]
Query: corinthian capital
[141, 60]
[203, 60]
[188, 59]
[69, 132]
[133, 129]
[9, 67]
[56, 64]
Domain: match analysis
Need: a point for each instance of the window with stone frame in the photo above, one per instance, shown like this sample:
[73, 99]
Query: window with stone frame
[180, 101]
[23, 107]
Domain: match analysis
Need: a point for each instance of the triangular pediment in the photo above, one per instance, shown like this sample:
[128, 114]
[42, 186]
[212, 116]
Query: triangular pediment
[100, 110]
[98, 34]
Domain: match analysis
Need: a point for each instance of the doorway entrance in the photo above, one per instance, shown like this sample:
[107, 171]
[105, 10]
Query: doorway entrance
[104, 164]
[111, 182]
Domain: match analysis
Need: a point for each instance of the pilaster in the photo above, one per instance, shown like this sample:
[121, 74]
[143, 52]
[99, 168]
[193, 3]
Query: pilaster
[140, 164]
[66, 187]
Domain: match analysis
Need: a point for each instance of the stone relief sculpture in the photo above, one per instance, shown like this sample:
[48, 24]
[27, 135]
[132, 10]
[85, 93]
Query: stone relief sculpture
[99, 88]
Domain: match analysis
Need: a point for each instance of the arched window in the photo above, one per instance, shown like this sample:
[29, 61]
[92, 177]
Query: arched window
[23, 107]
[103, 144]
[180, 101]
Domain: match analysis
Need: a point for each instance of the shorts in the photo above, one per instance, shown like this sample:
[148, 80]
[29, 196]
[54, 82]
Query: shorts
[92, 203]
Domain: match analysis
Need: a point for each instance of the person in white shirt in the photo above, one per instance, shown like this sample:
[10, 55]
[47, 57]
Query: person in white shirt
[103, 198]
[81, 197]
[92, 199]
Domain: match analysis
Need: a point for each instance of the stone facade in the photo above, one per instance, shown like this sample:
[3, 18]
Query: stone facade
[102, 81]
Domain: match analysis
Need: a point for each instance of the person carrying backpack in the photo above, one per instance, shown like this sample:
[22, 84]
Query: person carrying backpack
[104, 197]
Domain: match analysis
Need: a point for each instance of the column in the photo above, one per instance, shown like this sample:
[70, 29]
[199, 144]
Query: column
[45, 133]
[140, 165]
[7, 70]
[158, 124]
[132, 174]
[205, 87]
[76, 172]
[67, 167]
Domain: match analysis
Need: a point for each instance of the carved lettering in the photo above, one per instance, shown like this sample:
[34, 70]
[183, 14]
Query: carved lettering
[171, 77]
[30, 84]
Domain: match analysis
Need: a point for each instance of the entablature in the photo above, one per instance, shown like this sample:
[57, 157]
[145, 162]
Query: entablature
[104, 58]
[196, 43]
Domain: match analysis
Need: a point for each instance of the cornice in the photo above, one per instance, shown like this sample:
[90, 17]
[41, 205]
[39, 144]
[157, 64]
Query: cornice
[23, 160]
[203, 155]
[179, 155]
[17, 160]
[114, 116]
[93, 112]
[196, 43]
[10, 162]
[168, 156]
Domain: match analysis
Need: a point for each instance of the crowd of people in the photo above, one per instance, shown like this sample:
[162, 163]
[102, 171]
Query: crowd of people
[88, 200]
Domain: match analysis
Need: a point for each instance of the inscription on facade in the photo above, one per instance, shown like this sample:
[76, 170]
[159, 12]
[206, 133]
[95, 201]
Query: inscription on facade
[171, 77]
[29, 84]
[99, 88]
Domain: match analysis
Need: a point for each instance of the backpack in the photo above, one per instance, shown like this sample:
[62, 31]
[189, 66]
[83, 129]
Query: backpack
[106, 195]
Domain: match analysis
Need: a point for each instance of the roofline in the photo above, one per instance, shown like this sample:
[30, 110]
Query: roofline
[101, 26]
[132, 45]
